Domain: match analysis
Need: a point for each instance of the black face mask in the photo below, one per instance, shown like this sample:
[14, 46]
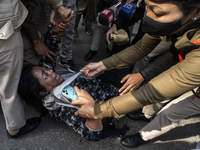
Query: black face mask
[153, 27]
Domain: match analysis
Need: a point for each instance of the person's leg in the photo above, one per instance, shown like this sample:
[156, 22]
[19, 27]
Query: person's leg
[90, 16]
[67, 40]
[170, 116]
[11, 60]
[99, 32]
[81, 7]
[167, 119]
[150, 111]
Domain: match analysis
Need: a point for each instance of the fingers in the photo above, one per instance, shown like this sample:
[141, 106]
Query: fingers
[124, 78]
[77, 90]
[78, 102]
[62, 25]
[84, 68]
[71, 15]
[127, 86]
[52, 53]
[76, 113]
[93, 68]
[87, 70]
[58, 36]
[49, 56]
[139, 3]
[107, 38]
[123, 87]
[43, 57]
[128, 89]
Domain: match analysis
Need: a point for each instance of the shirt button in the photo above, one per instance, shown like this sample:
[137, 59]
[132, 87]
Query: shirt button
[1, 35]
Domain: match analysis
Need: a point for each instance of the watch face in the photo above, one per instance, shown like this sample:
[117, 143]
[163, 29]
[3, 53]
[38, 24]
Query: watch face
[70, 93]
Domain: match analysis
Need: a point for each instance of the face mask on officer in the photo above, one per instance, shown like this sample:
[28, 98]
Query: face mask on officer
[153, 27]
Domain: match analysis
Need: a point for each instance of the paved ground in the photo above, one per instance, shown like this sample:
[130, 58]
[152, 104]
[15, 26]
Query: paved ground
[53, 135]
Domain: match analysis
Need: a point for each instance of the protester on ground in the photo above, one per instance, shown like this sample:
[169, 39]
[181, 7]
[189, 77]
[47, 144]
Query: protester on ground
[36, 88]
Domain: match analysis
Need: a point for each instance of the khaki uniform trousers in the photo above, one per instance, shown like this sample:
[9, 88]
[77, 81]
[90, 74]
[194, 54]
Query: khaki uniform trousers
[90, 16]
[11, 60]
[169, 117]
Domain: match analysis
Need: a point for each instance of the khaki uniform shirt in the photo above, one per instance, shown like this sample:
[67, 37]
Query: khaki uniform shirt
[179, 79]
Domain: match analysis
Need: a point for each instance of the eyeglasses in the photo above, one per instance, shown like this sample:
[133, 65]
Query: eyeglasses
[46, 71]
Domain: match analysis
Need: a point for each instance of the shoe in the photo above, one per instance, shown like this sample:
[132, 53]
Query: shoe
[133, 140]
[90, 55]
[30, 125]
[75, 33]
[137, 115]
[69, 64]
[88, 31]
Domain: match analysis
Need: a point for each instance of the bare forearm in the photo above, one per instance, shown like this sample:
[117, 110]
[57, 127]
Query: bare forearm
[94, 124]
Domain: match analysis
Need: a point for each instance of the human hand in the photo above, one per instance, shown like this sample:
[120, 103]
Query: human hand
[138, 2]
[113, 30]
[93, 68]
[86, 111]
[61, 15]
[42, 50]
[133, 81]
[57, 36]
[83, 98]
[57, 30]
[87, 103]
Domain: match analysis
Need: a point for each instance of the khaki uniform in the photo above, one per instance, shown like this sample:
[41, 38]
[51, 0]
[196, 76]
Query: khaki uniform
[170, 115]
[12, 15]
[179, 79]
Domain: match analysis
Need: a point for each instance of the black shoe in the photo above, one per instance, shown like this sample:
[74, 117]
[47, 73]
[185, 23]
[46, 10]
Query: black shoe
[69, 64]
[133, 140]
[88, 31]
[137, 115]
[90, 55]
[30, 125]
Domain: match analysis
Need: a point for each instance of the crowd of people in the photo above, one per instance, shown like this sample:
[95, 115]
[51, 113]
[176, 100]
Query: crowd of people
[154, 77]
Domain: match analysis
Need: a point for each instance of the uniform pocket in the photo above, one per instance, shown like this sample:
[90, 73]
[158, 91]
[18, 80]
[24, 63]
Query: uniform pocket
[6, 31]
